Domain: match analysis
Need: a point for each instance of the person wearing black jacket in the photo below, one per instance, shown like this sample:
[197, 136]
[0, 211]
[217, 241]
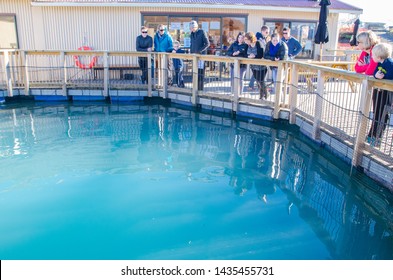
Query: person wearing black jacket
[199, 45]
[238, 49]
[144, 43]
[255, 51]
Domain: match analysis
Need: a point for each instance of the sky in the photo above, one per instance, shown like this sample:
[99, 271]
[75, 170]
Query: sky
[373, 10]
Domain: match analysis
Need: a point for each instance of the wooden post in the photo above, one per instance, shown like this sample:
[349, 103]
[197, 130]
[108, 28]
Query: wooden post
[293, 91]
[194, 80]
[63, 73]
[7, 72]
[164, 64]
[27, 77]
[149, 75]
[278, 89]
[106, 73]
[236, 89]
[318, 106]
[365, 104]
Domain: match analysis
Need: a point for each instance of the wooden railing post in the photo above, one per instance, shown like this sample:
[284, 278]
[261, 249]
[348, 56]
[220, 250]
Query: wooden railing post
[278, 90]
[106, 73]
[365, 104]
[63, 73]
[164, 63]
[149, 75]
[318, 106]
[237, 87]
[293, 91]
[194, 80]
[26, 72]
[7, 72]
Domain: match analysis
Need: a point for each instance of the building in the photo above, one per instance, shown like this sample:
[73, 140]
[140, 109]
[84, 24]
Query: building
[113, 25]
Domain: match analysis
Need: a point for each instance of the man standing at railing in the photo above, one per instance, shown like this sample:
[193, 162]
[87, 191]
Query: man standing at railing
[199, 44]
[294, 47]
[144, 43]
[163, 43]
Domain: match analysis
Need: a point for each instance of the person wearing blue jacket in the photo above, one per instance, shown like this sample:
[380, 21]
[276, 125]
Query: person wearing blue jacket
[163, 43]
[178, 64]
[382, 55]
[294, 47]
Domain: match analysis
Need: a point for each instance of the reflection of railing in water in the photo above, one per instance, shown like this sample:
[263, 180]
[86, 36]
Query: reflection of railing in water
[330, 104]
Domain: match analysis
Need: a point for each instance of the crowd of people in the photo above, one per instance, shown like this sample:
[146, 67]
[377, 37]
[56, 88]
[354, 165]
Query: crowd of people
[375, 60]
[261, 45]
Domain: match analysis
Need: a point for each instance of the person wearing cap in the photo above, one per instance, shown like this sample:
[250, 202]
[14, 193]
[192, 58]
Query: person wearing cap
[144, 43]
[199, 45]
[163, 43]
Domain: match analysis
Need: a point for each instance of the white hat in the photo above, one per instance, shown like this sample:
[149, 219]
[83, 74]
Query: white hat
[193, 23]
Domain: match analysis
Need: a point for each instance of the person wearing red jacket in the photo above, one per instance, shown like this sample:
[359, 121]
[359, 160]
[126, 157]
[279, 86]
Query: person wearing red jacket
[365, 63]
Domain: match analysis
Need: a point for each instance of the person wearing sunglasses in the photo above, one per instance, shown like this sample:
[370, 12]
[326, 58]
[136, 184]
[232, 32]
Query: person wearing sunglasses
[294, 47]
[144, 43]
[163, 43]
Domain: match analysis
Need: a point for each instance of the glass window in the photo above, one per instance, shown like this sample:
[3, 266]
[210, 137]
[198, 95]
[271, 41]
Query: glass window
[179, 30]
[303, 31]
[8, 38]
[218, 27]
[230, 28]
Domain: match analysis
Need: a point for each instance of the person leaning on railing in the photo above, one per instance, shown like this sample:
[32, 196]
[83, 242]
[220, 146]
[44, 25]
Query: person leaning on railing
[255, 51]
[144, 43]
[275, 50]
[238, 49]
[366, 64]
[384, 70]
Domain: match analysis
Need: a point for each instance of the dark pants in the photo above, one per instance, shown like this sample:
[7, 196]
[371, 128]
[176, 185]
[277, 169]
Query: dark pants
[179, 81]
[381, 98]
[142, 61]
[259, 75]
[201, 77]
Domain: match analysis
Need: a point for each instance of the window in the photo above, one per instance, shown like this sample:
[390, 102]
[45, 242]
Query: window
[218, 27]
[303, 31]
[8, 38]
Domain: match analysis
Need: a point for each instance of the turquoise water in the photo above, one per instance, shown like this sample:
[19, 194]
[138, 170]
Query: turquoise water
[152, 182]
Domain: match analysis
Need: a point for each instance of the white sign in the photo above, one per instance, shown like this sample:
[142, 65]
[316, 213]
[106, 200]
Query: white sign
[186, 27]
[175, 25]
[215, 25]
[205, 26]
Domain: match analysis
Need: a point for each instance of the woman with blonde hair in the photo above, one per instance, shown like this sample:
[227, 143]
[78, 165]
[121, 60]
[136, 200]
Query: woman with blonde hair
[365, 63]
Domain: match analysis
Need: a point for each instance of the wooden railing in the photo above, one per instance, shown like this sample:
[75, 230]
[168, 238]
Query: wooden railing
[328, 102]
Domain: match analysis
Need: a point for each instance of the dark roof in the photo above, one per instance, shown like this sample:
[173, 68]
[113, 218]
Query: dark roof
[335, 4]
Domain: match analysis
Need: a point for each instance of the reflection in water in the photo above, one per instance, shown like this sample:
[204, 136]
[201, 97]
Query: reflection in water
[351, 216]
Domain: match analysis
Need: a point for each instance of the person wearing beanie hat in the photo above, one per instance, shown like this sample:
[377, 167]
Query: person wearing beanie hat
[199, 45]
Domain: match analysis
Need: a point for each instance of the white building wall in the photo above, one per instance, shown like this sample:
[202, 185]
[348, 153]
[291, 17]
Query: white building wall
[115, 28]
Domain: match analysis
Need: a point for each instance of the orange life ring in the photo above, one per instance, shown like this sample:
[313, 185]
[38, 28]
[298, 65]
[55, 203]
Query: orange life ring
[80, 64]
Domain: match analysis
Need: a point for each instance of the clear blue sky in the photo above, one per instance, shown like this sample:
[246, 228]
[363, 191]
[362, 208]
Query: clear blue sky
[374, 10]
